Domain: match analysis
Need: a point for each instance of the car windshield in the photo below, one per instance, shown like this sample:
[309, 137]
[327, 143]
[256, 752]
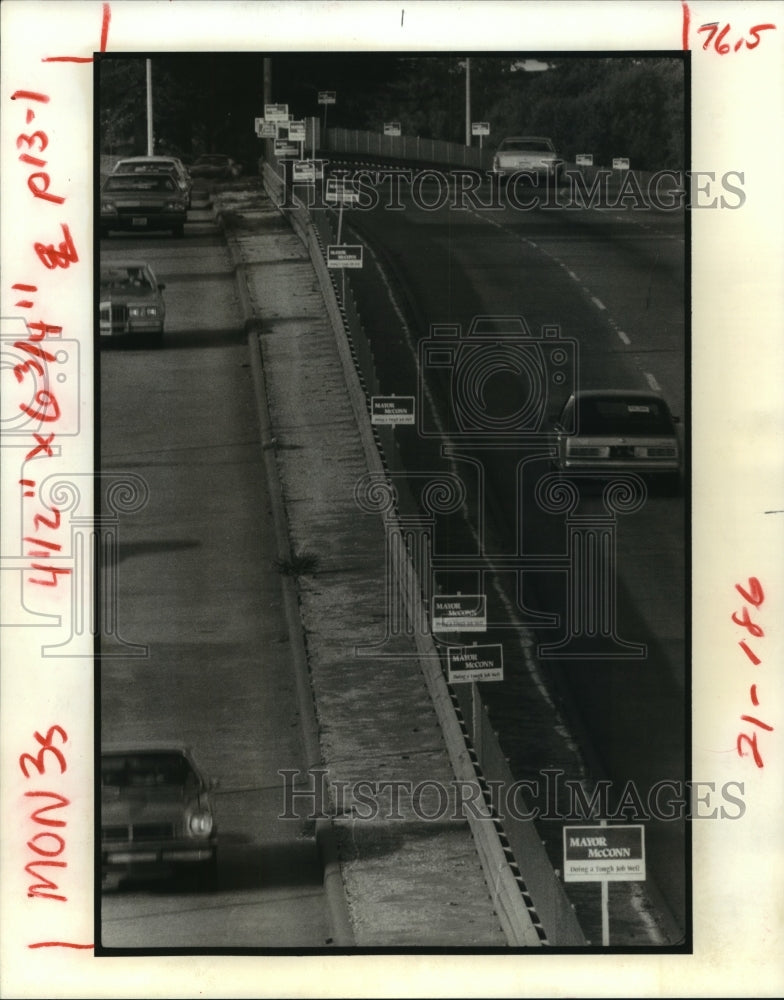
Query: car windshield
[144, 182]
[213, 159]
[146, 770]
[526, 146]
[623, 416]
[126, 278]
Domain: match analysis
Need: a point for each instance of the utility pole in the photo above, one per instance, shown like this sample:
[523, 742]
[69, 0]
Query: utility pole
[468, 100]
[150, 138]
[266, 99]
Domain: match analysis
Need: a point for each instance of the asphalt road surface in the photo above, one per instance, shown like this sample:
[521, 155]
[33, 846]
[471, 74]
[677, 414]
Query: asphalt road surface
[198, 588]
[613, 282]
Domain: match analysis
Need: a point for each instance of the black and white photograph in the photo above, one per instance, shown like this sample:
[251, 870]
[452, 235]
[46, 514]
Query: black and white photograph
[391, 497]
[398, 381]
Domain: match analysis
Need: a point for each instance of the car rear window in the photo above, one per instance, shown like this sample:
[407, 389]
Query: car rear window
[143, 182]
[126, 277]
[526, 146]
[145, 770]
[623, 416]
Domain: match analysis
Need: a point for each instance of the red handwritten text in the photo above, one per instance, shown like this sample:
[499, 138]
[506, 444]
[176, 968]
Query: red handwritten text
[46, 844]
[42, 406]
[754, 596]
[717, 35]
[106, 20]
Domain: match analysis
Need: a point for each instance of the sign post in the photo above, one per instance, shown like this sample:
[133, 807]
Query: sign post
[469, 664]
[326, 97]
[604, 854]
[480, 129]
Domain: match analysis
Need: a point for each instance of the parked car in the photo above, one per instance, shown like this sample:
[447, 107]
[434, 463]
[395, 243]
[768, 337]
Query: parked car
[157, 164]
[215, 166]
[157, 818]
[142, 202]
[131, 302]
[600, 432]
[531, 153]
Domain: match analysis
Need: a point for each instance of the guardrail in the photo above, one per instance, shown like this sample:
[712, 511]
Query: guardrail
[434, 152]
[407, 147]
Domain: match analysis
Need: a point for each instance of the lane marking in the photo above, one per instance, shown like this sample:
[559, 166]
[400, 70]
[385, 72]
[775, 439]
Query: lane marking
[649, 378]
[598, 303]
[526, 639]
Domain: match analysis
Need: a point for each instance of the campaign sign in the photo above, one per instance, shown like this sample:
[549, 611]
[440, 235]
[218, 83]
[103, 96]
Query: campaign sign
[276, 112]
[341, 191]
[284, 148]
[391, 128]
[598, 853]
[621, 163]
[266, 130]
[307, 171]
[455, 612]
[467, 664]
[344, 255]
[480, 128]
[584, 159]
[392, 410]
[297, 131]
[326, 97]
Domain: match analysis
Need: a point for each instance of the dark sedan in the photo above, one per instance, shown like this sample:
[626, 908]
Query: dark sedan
[215, 166]
[156, 814]
[142, 202]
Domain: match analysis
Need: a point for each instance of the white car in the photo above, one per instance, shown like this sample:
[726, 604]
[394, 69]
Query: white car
[531, 154]
[130, 302]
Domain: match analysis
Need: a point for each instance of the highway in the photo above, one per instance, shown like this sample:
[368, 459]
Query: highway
[183, 418]
[613, 283]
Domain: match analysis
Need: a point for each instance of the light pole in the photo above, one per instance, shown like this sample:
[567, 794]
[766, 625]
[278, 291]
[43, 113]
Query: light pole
[150, 150]
[468, 100]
